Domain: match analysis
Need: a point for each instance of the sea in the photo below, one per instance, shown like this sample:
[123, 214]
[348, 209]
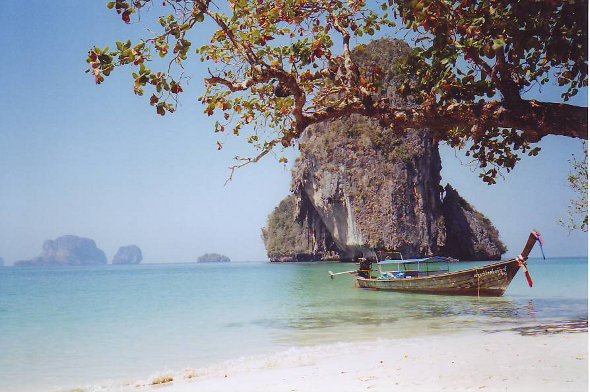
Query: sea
[85, 328]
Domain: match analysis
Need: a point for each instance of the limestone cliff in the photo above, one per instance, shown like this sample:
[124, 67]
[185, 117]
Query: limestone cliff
[352, 196]
[287, 240]
[470, 235]
[358, 187]
[67, 250]
[130, 254]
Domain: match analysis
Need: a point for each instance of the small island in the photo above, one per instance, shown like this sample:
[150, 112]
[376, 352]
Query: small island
[67, 250]
[130, 254]
[213, 258]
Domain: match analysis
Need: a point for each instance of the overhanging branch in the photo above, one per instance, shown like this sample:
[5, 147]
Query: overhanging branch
[535, 119]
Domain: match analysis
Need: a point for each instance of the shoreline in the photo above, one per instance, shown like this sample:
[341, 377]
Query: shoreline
[503, 360]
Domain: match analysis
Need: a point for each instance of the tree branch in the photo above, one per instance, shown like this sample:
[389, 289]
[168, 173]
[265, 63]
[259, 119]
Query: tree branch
[234, 86]
[246, 161]
[535, 119]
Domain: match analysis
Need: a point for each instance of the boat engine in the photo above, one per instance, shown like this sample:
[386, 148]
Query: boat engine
[365, 268]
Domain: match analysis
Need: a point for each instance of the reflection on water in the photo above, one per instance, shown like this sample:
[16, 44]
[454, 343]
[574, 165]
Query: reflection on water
[405, 317]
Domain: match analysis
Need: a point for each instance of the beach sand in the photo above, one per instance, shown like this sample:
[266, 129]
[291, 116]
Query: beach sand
[483, 361]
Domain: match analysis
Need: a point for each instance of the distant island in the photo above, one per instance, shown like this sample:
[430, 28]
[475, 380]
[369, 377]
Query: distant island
[1, 262]
[213, 258]
[130, 254]
[67, 250]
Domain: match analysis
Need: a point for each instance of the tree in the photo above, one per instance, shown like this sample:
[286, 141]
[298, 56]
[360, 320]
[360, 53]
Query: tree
[280, 66]
[578, 181]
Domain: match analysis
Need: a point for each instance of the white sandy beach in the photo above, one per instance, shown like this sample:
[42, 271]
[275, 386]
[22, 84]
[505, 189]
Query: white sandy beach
[501, 361]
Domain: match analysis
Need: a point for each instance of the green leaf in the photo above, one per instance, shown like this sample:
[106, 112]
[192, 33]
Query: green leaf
[498, 44]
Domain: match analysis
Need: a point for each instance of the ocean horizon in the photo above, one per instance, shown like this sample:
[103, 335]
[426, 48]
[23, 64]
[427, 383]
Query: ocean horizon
[94, 326]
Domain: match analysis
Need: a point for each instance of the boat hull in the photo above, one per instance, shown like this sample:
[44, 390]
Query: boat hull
[490, 280]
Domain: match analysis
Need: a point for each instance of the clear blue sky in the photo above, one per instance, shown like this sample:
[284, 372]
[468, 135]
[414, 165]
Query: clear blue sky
[98, 162]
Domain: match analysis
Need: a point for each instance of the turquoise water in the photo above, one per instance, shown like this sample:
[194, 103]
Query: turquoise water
[77, 326]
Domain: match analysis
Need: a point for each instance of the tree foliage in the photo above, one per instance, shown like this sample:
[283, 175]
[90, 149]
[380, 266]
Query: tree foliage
[578, 181]
[279, 66]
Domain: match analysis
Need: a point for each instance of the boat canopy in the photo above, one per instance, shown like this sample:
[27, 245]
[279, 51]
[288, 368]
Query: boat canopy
[434, 259]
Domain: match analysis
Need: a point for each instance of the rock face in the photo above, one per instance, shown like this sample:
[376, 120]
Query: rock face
[358, 187]
[130, 254]
[470, 235]
[67, 250]
[351, 197]
[213, 258]
[284, 238]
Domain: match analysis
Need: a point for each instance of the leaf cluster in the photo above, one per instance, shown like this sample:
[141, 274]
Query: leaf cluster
[469, 50]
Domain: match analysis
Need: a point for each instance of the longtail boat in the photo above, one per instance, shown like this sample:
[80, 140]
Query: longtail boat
[433, 276]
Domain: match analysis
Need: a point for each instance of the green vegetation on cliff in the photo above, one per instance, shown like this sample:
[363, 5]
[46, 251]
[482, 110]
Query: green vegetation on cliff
[283, 237]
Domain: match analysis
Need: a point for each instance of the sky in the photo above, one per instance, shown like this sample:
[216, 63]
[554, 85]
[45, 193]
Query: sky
[97, 162]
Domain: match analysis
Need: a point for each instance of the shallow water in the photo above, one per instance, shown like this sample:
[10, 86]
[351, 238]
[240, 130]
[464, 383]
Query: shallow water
[76, 326]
